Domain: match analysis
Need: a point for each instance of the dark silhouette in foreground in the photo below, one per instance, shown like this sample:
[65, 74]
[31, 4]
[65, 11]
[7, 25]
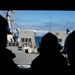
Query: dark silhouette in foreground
[69, 49]
[7, 65]
[50, 60]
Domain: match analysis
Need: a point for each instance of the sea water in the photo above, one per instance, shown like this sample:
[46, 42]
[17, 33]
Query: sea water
[37, 39]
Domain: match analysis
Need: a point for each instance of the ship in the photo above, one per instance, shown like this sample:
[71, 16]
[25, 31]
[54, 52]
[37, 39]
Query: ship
[25, 47]
[22, 43]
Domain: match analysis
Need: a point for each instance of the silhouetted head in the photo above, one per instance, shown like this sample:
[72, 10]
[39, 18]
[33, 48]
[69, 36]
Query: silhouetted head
[49, 41]
[4, 30]
[69, 45]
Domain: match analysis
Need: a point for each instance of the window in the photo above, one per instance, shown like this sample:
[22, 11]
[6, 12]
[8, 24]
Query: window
[22, 39]
[13, 44]
[17, 44]
[29, 39]
[26, 40]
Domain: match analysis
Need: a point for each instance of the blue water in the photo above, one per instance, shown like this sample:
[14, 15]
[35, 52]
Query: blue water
[37, 39]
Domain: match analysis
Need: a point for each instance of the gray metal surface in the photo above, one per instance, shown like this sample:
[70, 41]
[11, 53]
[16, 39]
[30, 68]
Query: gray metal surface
[24, 59]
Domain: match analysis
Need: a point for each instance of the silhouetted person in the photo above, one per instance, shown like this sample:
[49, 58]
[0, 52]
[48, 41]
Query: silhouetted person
[50, 60]
[67, 31]
[7, 65]
[69, 49]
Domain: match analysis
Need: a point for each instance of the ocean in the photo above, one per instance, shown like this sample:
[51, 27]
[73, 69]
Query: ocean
[37, 39]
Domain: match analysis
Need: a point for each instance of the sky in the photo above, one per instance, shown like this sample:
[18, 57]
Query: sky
[42, 20]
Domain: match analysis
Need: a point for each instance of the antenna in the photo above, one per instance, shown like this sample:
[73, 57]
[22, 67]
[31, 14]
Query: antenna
[50, 24]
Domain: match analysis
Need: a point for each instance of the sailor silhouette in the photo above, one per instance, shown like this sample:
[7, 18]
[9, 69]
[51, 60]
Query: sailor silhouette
[69, 49]
[50, 60]
[7, 65]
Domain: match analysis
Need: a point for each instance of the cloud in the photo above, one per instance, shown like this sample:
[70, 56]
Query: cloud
[41, 32]
[44, 27]
[23, 21]
[69, 22]
[31, 21]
